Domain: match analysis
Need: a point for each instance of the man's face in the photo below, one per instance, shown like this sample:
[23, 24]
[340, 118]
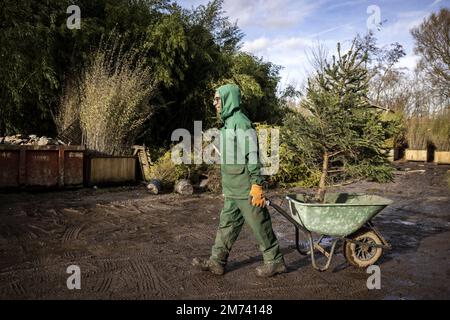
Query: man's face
[217, 103]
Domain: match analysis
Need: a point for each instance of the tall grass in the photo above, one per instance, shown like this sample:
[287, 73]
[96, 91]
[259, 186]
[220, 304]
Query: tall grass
[114, 97]
[418, 132]
[69, 108]
[429, 130]
[440, 132]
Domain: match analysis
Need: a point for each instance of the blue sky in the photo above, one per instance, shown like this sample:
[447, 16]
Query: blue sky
[284, 31]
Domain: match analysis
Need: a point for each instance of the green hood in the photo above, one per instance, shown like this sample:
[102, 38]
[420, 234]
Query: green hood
[230, 95]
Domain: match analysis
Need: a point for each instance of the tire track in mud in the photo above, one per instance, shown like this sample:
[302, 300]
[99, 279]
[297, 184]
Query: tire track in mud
[148, 252]
[17, 231]
[102, 267]
[72, 233]
[106, 274]
[76, 254]
[44, 279]
[17, 289]
[149, 280]
[42, 262]
[118, 209]
[110, 266]
[31, 235]
[41, 231]
[199, 283]
[104, 285]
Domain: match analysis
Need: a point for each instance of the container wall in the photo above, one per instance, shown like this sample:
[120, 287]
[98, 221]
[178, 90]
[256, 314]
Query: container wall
[442, 157]
[112, 170]
[9, 168]
[73, 168]
[416, 155]
[41, 166]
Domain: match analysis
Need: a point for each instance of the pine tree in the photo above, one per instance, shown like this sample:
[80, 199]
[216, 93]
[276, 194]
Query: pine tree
[337, 130]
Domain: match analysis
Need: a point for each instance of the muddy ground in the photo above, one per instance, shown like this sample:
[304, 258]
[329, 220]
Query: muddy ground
[132, 245]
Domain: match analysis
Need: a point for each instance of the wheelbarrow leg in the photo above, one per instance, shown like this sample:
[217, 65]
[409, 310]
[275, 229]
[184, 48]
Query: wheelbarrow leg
[297, 243]
[371, 226]
[313, 245]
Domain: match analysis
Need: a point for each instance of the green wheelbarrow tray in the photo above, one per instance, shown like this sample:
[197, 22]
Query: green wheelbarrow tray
[344, 217]
[340, 216]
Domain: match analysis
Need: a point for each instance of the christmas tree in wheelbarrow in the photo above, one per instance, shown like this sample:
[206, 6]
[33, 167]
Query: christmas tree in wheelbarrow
[337, 131]
[340, 134]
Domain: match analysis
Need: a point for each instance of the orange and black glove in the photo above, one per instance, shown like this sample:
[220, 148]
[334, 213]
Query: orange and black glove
[257, 196]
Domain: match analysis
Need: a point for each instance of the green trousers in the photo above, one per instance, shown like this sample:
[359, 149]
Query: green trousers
[232, 218]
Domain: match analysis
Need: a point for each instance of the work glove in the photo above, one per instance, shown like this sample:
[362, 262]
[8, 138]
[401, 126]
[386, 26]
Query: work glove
[257, 196]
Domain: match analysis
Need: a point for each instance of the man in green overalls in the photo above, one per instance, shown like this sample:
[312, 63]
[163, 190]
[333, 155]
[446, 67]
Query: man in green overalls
[242, 188]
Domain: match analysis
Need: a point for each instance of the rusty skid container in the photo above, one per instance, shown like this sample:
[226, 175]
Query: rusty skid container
[41, 166]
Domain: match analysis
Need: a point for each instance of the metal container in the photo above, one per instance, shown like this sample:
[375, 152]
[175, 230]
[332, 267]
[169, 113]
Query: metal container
[416, 155]
[442, 157]
[41, 166]
[110, 170]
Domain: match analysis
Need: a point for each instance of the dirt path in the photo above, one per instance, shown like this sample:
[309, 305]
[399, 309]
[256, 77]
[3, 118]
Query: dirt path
[131, 245]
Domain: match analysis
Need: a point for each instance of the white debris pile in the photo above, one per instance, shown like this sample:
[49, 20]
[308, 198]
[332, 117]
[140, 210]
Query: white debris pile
[30, 140]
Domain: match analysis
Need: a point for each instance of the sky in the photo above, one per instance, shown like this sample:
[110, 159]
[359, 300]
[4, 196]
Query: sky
[285, 31]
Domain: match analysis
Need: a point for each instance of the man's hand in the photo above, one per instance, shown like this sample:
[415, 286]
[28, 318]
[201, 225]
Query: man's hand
[257, 196]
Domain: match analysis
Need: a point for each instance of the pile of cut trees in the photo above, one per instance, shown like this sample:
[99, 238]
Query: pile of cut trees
[30, 140]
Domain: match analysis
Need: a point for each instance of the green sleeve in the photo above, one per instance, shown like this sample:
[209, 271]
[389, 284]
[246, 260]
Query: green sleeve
[255, 173]
[252, 156]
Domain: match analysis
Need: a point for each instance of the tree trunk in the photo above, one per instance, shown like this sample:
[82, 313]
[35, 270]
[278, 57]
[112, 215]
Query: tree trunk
[184, 187]
[320, 195]
[154, 186]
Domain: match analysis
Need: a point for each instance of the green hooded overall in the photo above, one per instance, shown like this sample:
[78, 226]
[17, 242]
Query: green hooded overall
[240, 170]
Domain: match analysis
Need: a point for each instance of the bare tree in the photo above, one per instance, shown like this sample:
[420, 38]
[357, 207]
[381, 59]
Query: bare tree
[317, 56]
[433, 45]
[383, 73]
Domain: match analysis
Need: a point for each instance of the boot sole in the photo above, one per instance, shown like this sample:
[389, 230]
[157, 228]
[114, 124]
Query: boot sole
[200, 266]
[276, 272]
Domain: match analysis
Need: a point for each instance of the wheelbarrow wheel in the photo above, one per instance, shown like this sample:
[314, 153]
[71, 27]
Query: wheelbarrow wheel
[363, 256]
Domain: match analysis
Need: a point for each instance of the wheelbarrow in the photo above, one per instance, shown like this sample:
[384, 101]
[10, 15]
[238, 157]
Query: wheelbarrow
[344, 218]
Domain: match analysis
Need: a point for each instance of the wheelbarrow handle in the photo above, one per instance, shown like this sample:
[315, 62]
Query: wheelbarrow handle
[283, 213]
[297, 226]
[280, 210]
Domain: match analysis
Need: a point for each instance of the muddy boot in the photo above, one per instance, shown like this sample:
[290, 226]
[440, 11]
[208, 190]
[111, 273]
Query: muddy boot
[209, 265]
[270, 269]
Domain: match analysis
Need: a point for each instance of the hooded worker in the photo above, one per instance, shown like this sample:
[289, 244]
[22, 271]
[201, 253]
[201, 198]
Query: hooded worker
[242, 189]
